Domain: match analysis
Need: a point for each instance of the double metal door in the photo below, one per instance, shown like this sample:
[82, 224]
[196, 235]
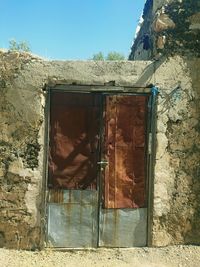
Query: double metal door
[97, 175]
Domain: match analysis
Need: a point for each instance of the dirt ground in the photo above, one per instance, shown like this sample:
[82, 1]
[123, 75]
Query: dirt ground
[175, 256]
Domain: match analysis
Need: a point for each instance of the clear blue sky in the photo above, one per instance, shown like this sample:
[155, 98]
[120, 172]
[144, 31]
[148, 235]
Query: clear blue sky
[70, 29]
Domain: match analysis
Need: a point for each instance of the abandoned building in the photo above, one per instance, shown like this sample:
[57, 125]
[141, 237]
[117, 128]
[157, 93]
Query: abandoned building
[101, 153]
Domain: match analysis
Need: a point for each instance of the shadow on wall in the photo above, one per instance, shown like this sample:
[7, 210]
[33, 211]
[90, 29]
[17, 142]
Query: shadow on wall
[149, 71]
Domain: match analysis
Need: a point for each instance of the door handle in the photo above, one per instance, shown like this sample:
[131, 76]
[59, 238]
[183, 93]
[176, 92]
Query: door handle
[102, 163]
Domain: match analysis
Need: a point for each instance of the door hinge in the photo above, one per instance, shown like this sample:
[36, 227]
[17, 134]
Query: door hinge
[150, 144]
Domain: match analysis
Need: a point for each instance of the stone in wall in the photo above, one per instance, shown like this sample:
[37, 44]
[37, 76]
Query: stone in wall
[161, 42]
[194, 21]
[162, 23]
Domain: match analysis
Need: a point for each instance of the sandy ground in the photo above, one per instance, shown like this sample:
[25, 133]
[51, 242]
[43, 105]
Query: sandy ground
[179, 256]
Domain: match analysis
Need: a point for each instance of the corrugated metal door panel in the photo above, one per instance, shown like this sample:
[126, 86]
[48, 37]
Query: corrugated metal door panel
[73, 223]
[123, 227]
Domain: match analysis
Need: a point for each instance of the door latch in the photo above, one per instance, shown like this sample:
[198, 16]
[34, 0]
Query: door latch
[102, 163]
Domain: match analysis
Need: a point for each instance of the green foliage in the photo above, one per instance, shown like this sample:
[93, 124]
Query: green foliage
[110, 56]
[98, 56]
[19, 46]
[115, 56]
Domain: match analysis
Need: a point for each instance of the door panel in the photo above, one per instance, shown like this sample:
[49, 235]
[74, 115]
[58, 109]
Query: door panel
[72, 218]
[124, 150]
[72, 177]
[74, 133]
[123, 227]
[123, 213]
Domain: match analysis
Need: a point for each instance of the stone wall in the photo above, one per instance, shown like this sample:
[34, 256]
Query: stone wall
[176, 200]
[172, 27]
[157, 4]
[21, 116]
[142, 42]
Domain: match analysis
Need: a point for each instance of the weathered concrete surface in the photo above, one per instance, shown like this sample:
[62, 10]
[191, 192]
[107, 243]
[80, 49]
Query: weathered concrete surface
[176, 185]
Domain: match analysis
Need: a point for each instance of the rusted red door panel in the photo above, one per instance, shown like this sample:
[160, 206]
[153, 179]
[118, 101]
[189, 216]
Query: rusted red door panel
[74, 129]
[124, 149]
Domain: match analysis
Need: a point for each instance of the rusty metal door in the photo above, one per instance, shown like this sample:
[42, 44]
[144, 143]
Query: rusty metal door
[97, 177]
[123, 207]
[72, 172]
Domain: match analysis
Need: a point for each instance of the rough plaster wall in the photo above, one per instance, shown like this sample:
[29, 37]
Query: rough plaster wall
[176, 198]
[20, 168]
[176, 216]
[22, 101]
[176, 191]
[175, 30]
